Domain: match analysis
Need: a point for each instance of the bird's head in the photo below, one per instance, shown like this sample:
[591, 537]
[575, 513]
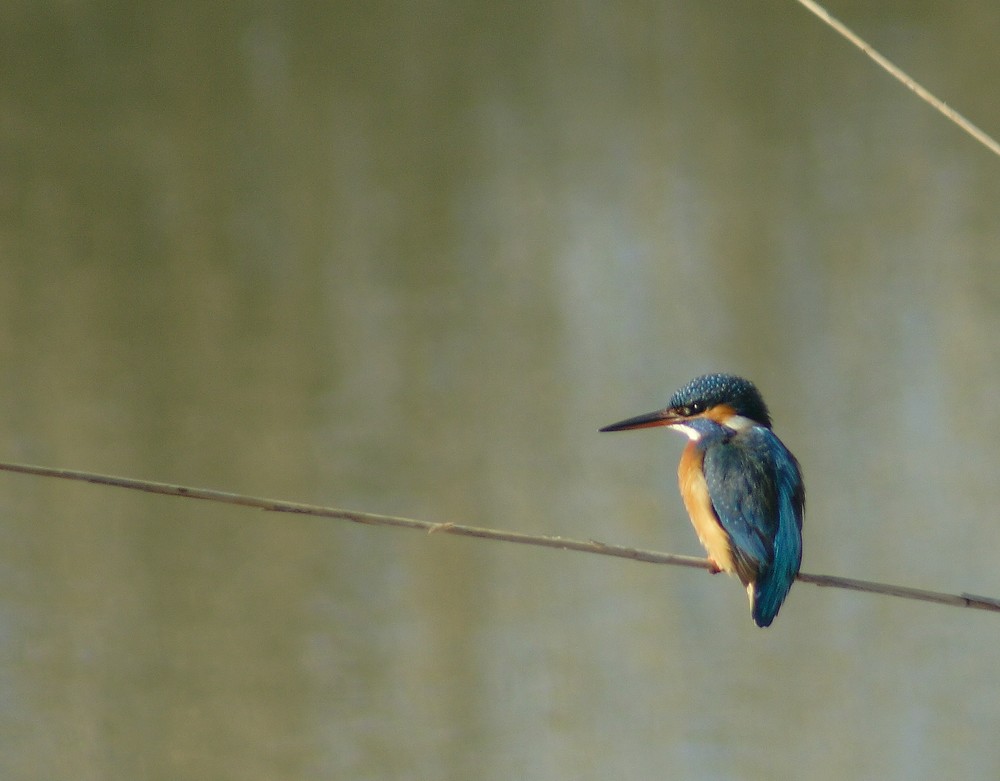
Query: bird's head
[720, 399]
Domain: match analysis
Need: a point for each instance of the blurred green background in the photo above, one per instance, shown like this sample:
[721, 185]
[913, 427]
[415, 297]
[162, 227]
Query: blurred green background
[407, 258]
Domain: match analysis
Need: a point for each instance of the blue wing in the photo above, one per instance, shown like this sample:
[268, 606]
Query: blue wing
[756, 491]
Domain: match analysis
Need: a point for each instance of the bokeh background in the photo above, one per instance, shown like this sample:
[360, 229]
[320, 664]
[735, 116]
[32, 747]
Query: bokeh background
[407, 258]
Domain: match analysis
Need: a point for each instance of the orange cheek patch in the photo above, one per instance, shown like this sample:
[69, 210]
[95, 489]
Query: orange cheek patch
[720, 413]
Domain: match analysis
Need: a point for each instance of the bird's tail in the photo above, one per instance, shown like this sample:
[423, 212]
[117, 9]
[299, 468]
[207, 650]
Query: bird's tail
[768, 590]
[766, 595]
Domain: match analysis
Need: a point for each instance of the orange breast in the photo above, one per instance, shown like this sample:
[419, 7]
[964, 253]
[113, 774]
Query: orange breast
[694, 492]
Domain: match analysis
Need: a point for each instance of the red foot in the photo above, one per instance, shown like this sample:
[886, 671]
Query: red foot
[713, 568]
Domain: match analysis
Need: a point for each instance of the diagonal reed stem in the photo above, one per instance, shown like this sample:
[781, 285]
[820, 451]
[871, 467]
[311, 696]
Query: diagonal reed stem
[583, 546]
[902, 77]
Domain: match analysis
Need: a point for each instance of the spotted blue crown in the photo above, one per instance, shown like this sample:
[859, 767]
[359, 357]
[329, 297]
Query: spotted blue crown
[711, 390]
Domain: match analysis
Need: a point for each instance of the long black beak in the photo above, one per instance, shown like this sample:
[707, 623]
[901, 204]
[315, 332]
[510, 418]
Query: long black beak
[663, 417]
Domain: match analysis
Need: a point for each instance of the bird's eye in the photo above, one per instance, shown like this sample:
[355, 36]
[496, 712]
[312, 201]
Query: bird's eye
[696, 408]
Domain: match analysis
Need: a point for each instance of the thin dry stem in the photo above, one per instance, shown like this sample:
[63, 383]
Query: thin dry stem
[583, 546]
[902, 77]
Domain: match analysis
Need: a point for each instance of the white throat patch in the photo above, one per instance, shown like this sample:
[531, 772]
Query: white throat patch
[692, 433]
[733, 423]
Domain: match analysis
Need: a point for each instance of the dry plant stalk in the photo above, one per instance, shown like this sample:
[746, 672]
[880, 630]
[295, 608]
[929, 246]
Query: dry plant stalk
[582, 546]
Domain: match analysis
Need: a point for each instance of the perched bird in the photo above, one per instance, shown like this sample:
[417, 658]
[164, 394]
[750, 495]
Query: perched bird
[741, 486]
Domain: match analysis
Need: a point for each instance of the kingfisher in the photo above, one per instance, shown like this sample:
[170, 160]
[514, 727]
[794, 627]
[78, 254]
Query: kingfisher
[741, 486]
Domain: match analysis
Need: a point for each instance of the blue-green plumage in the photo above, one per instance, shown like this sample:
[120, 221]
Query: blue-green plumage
[740, 484]
[755, 489]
